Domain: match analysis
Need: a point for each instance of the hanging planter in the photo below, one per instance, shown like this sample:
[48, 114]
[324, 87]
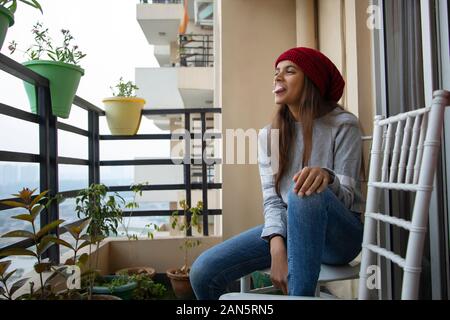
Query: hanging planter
[7, 11]
[124, 110]
[123, 114]
[6, 21]
[60, 68]
[64, 79]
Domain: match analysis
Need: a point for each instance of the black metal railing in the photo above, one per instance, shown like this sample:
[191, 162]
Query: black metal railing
[196, 50]
[49, 160]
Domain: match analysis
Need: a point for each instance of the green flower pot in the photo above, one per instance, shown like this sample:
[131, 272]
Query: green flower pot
[64, 79]
[6, 21]
[124, 292]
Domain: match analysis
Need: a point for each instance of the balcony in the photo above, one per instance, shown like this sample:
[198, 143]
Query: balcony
[196, 50]
[160, 21]
[198, 181]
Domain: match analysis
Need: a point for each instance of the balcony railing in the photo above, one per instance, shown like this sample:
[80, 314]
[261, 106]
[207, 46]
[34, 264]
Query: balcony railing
[196, 50]
[48, 158]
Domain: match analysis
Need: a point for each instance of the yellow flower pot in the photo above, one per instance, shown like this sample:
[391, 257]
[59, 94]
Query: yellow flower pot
[123, 114]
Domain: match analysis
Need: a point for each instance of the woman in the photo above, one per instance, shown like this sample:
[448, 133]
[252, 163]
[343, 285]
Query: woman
[312, 201]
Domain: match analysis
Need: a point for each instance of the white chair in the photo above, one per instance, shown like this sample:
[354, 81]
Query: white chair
[403, 157]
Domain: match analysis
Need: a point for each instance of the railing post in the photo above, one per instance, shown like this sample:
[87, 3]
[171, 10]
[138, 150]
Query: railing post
[204, 178]
[187, 168]
[94, 148]
[48, 148]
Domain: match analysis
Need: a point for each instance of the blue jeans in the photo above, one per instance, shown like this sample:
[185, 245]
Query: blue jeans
[320, 229]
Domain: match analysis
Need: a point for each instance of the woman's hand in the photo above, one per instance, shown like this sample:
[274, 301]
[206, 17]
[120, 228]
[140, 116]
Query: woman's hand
[311, 180]
[279, 266]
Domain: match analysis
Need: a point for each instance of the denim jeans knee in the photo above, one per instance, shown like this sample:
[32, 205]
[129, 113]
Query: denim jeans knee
[313, 199]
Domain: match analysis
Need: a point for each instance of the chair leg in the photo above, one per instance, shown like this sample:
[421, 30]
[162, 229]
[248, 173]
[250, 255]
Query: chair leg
[317, 294]
[245, 284]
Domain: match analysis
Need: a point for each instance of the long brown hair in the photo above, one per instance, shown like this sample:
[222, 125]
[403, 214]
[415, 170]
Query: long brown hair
[312, 106]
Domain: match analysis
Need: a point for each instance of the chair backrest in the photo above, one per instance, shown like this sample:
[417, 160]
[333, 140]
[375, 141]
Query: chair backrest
[403, 157]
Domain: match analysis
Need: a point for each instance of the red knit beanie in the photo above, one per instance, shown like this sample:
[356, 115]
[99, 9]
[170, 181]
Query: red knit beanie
[317, 67]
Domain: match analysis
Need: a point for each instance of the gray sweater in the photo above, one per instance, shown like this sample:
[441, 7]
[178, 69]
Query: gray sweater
[337, 147]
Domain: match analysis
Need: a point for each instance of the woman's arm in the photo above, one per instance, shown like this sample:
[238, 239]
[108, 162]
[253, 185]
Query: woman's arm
[347, 163]
[275, 210]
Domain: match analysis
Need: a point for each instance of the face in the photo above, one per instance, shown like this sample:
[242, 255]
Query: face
[288, 83]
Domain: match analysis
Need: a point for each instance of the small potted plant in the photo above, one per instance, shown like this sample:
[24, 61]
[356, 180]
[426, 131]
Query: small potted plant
[60, 67]
[105, 214]
[149, 229]
[124, 109]
[179, 278]
[7, 11]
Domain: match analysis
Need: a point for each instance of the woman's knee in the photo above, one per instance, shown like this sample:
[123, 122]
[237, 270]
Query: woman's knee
[312, 200]
[203, 268]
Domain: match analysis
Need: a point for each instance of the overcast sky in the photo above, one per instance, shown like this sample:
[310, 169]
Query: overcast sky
[108, 32]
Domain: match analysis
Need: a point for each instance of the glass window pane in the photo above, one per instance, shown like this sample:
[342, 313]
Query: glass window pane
[8, 224]
[73, 177]
[78, 118]
[14, 176]
[72, 145]
[25, 140]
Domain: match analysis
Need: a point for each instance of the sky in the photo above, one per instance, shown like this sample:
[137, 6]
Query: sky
[108, 32]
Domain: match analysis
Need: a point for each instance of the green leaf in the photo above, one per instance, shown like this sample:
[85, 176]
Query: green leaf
[4, 265]
[8, 275]
[49, 227]
[83, 259]
[38, 198]
[43, 246]
[17, 285]
[84, 244]
[17, 252]
[34, 4]
[62, 243]
[36, 210]
[47, 241]
[19, 234]
[14, 204]
[24, 217]
[41, 267]
[13, 7]
[77, 227]
[3, 292]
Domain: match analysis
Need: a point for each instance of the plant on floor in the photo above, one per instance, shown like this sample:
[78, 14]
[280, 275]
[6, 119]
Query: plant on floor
[59, 64]
[184, 226]
[42, 239]
[179, 277]
[104, 213]
[137, 190]
[123, 110]
[146, 288]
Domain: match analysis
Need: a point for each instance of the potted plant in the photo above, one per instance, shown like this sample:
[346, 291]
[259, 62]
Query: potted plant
[105, 214]
[179, 277]
[146, 288]
[46, 286]
[60, 68]
[124, 109]
[7, 11]
[150, 228]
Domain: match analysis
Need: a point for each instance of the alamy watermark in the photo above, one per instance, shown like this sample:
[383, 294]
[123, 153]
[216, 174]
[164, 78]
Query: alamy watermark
[241, 147]
[374, 19]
